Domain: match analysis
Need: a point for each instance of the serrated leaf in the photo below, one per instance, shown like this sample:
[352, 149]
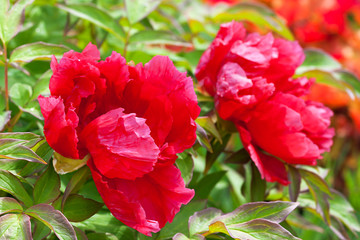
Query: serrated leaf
[275, 211]
[53, 219]
[316, 59]
[258, 229]
[8, 204]
[96, 16]
[200, 221]
[320, 192]
[180, 221]
[209, 126]
[295, 181]
[164, 37]
[47, 187]
[185, 163]
[15, 227]
[10, 21]
[37, 51]
[207, 183]
[78, 208]
[11, 184]
[138, 9]
[63, 165]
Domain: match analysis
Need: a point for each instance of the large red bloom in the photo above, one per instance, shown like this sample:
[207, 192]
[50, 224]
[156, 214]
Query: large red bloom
[250, 77]
[132, 121]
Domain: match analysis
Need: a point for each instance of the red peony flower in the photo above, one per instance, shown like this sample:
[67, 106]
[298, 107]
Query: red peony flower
[250, 77]
[132, 121]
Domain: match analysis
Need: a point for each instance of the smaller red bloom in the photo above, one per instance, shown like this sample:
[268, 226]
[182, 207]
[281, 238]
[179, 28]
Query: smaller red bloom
[250, 77]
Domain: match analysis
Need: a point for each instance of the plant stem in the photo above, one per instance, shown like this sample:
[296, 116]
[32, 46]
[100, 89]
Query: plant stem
[126, 42]
[14, 120]
[6, 78]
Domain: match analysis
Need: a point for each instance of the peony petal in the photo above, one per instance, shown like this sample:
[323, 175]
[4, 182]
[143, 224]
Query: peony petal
[210, 62]
[120, 145]
[59, 128]
[147, 203]
[169, 107]
[270, 168]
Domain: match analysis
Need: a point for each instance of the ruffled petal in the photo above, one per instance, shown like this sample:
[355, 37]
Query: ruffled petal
[120, 145]
[147, 203]
[270, 168]
[212, 59]
[169, 107]
[59, 127]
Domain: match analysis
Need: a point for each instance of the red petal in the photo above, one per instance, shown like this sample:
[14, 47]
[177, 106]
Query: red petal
[59, 129]
[120, 145]
[270, 168]
[147, 203]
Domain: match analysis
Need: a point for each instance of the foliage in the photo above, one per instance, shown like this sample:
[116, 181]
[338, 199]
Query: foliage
[43, 197]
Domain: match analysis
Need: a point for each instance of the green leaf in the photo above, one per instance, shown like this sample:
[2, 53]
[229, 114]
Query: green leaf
[349, 78]
[295, 181]
[200, 221]
[101, 236]
[78, 208]
[20, 94]
[76, 181]
[316, 59]
[275, 211]
[80, 235]
[11, 20]
[47, 187]
[53, 219]
[11, 184]
[258, 229]
[40, 230]
[13, 149]
[257, 186]
[258, 14]
[8, 204]
[342, 209]
[104, 222]
[180, 221]
[207, 183]
[27, 136]
[96, 16]
[320, 192]
[164, 37]
[37, 51]
[202, 138]
[208, 124]
[4, 119]
[185, 163]
[15, 227]
[138, 9]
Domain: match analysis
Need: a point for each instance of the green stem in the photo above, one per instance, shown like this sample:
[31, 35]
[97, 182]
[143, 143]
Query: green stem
[126, 42]
[6, 77]
[14, 120]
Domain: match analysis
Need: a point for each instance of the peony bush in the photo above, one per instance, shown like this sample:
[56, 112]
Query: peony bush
[177, 120]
